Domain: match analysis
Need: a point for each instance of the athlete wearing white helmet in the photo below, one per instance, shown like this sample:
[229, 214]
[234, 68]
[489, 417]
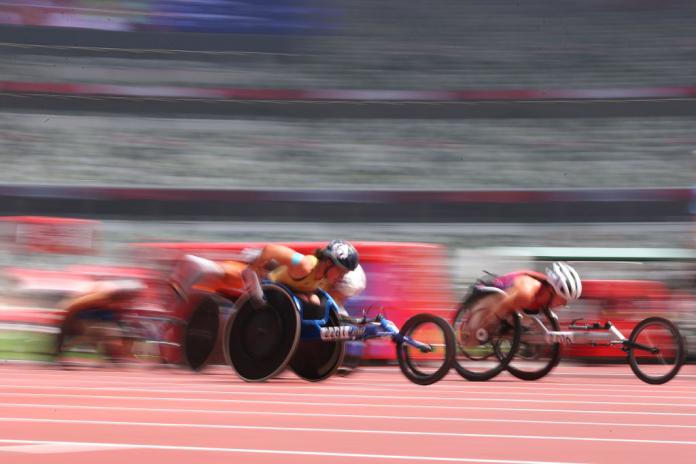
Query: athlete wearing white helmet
[564, 280]
[523, 290]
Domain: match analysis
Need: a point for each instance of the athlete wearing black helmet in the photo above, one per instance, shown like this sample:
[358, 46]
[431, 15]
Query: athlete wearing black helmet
[342, 254]
[304, 274]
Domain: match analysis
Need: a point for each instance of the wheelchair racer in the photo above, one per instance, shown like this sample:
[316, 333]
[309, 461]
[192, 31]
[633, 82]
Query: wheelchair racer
[521, 290]
[93, 317]
[334, 268]
[326, 269]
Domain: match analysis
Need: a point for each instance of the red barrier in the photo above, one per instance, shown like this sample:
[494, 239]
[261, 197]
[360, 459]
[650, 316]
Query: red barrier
[39, 234]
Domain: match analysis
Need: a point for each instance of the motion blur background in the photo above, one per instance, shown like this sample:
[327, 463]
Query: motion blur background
[472, 124]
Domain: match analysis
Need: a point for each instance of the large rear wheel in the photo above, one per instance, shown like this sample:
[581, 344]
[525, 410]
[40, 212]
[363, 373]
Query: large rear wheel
[201, 330]
[260, 341]
[316, 360]
[483, 355]
[535, 358]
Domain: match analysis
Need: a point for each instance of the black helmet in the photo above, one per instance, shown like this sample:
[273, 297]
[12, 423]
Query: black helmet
[342, 253]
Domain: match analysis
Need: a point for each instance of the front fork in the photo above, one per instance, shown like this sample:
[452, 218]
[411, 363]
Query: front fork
[388, 328]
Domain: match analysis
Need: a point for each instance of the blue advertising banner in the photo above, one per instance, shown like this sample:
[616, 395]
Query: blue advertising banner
[205, 16]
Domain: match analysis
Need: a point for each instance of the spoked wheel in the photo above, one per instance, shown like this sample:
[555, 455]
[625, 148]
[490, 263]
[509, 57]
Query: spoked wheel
[259, 342]
[535, 358]
[483, 355]
[316, 360]
[656, 350]
[428, 367]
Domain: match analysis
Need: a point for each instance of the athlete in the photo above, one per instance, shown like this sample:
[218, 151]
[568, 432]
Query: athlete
[92, 318]
[325, 269]
[521, 290]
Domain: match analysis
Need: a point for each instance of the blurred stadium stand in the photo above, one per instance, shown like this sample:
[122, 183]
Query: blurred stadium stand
[108, 150]
[358, 44]
[597, 47]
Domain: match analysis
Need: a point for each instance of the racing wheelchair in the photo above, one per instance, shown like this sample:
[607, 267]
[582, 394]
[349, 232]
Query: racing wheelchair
[528, 344]
[152, 322]
[272, 328]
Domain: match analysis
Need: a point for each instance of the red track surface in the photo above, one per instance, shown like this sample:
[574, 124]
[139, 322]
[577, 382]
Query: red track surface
[576, 414]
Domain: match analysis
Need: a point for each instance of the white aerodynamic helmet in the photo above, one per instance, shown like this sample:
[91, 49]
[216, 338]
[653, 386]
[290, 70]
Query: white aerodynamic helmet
[564, 280]
[352, 283]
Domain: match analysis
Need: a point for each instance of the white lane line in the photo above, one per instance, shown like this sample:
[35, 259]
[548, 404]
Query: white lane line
[363, 431]
[48, 448]
[219, 374]
[364, 416]
[591, 372]
[230, 412]
[280, 452]
[284, 382]
[261, 391]
[346, 404]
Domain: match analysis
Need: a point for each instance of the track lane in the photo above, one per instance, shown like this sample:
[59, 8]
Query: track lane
[374, 415]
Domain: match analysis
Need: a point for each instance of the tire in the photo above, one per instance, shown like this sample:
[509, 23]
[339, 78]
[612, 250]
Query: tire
[534, 361]
[661, 367]
[201, 330]
[259, 342]
[316, 360]
[483, 361]
[352, 358]
[412, 362]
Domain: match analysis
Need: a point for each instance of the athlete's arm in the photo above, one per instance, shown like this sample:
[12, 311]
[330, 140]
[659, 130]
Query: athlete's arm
[299, 265]
[520, 295]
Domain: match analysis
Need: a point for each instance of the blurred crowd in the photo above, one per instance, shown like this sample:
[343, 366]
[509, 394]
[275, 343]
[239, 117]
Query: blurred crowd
[358, 44]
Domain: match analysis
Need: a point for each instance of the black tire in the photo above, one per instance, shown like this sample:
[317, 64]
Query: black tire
[316, 360]
[483, 361]
[406, 354]
[351, 358]
[672, 353]
[259, 342]
[533, 361]
[201, 330]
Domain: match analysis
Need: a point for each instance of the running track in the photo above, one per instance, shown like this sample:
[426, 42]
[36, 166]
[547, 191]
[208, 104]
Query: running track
[108, 415]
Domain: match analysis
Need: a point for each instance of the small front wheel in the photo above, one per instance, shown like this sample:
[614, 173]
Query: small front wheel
[425, 368]
[656, 350]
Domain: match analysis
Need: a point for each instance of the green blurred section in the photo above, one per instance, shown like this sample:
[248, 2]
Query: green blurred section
[27, 345]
